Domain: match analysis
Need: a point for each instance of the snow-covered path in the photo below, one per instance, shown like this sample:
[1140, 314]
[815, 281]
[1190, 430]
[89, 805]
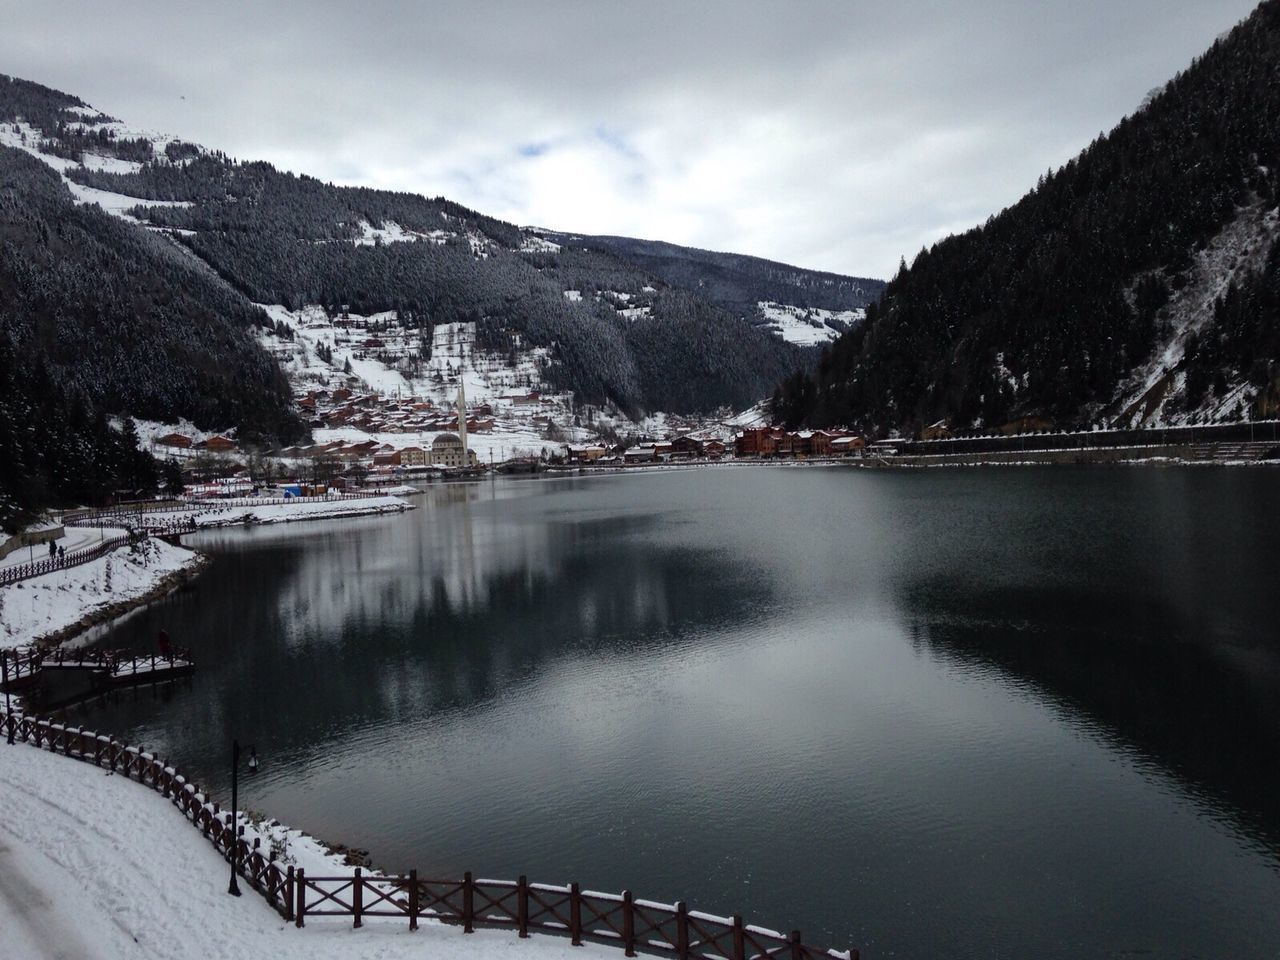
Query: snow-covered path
[76, 538]
[93, 865]
[55, 601]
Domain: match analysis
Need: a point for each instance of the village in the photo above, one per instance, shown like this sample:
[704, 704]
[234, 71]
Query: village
[370, 440]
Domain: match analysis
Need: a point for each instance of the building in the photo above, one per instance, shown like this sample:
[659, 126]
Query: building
[686, 447]
[936, 431]
[178, 441]
[387, 458]
[218, 444]
[847, 446]
[447, 451]
[413, 457]
[584, 454]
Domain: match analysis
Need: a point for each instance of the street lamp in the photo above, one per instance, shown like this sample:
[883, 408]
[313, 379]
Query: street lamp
[8, 709]
[234, 888]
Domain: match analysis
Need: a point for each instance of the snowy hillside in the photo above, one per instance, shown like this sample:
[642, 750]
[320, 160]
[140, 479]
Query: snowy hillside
[1154, 393]
[808, 326]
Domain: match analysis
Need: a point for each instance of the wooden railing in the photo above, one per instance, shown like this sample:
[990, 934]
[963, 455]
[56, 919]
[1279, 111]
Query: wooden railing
[26, 571]
[581, 915]
[275, 881]
[617, 919]
[126, 509]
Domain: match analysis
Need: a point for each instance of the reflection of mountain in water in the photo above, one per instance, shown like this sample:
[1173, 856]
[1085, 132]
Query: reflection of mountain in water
[380, 623]
[1205, 709]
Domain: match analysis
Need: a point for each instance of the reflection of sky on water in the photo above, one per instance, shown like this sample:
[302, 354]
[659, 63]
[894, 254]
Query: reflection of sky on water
[908, 711]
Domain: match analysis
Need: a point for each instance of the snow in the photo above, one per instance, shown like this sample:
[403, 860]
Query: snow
[536, 244]
[95, 865]
[113, 203]
[1240, 248]
[25, 137]
[392, 232]
[53, 601]
[573, 296]
[116, 203]
[75, 538]
[216, 514]
[806, 326]
[93, 161]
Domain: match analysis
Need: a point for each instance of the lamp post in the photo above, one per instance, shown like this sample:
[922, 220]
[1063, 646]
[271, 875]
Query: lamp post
[234, 888]
[8, 709]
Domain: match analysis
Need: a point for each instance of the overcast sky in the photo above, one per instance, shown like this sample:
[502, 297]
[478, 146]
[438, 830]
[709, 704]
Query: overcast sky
[837, 135]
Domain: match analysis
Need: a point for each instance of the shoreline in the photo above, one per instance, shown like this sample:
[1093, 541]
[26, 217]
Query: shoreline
[73, 606]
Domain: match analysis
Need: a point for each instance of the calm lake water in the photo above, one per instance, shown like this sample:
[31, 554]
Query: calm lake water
[961, 713]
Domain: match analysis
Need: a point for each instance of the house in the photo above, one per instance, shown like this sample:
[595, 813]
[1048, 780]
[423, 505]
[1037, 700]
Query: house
[639, 455]
[936, 431]
[387, 458]
[217, 444]
[413, 457]
[584, 454]
[686, 447]
[757, 442]
[178, 441]
[847, 446]
[714, 449]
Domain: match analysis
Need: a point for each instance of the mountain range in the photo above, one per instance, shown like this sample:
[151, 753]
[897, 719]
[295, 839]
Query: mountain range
[139, 274]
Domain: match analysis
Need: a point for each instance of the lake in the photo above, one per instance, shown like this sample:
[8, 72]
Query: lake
[1022, 712]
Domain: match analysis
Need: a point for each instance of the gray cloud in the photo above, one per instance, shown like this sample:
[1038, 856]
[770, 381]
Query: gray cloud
[838, 135]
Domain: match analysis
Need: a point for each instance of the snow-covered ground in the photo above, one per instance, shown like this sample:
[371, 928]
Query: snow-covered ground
[1241, 247]
[221, 515]
[46, 604]
[75, 538]
[25, 137]
[95, 865]
[807, 325]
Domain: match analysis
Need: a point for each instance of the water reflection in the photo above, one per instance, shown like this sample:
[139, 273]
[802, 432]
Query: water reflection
[965, 713]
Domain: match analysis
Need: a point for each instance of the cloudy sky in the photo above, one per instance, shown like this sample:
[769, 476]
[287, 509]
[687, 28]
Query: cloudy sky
[839, 135]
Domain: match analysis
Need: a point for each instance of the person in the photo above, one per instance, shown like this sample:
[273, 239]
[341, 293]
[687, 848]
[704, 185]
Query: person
[62, 553]
[53, 549]
[162, 641]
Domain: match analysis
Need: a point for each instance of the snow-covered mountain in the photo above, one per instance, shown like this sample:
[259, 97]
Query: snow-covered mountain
[595, 325]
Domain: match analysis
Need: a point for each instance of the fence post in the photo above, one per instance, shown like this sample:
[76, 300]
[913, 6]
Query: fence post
[522, 905]
[468, 903]
[575, 914]
[357, 888]
[797, 952]
[413, 899]
[288, 893]
[300, 879]
[682, 930]
[739, 947]
[628, 923]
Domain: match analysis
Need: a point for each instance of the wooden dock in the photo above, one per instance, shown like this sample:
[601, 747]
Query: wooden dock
[107, 669]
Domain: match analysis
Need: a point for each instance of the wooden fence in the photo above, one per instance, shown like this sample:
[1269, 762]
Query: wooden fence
[275, 881]
[23, 664]
[26, 571]
[617, 919]
[134, 517]
[568, 911]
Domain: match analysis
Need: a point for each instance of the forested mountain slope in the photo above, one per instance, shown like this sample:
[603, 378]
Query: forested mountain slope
[132, 267]
[100, 318]
[613, 331]
[739, 283]
[1138, 284]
